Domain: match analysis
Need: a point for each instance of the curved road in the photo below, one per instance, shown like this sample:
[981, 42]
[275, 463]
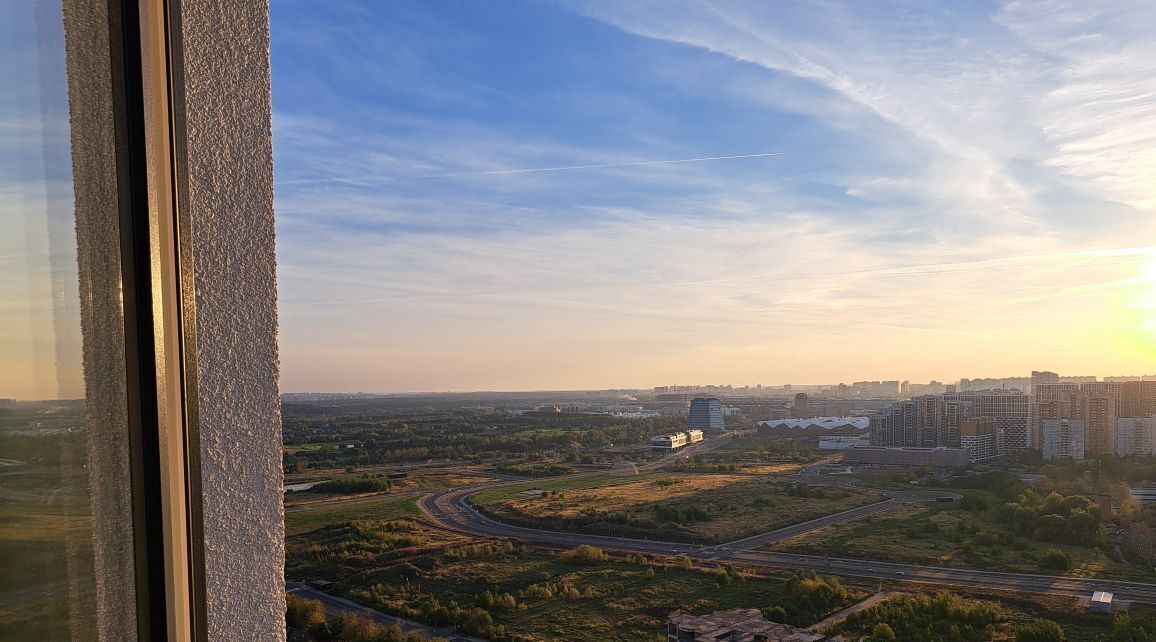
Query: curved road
[452, 510]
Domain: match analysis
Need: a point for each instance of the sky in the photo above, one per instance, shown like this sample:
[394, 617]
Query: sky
[476, 196]
[40, 337]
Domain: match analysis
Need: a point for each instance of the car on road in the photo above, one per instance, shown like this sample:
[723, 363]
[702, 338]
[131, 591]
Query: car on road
[871, 570]
[900, 573]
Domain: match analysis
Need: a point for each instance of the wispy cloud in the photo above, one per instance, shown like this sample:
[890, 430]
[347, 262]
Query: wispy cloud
[962, 189]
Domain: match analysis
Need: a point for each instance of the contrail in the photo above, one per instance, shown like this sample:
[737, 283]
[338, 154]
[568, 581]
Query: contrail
[531, 170]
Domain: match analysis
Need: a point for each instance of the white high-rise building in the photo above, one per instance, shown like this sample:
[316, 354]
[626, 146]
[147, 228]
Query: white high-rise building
[1063, 439]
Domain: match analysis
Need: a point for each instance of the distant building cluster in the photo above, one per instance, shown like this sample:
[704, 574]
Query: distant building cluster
[1062, 417]
[932, 421]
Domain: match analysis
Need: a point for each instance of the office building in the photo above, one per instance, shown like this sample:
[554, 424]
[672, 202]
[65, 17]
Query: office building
[1136, 436]
[668, 443]
[1063, 439]
[706, 414]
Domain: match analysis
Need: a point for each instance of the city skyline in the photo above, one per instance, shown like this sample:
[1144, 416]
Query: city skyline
[954, 192]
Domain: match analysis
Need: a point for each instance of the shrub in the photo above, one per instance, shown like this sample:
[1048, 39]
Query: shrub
[585, 555]
[1054, 559]
[1039, 630]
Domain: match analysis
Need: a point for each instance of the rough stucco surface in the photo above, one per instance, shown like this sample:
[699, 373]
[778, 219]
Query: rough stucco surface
[98, 266]
[230, 210]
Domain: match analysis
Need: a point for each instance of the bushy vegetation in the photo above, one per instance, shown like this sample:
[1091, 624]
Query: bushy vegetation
[1039, 630]
[309, 617]
[943, 617]
[352, 485]
[681, 515]
[998, 482]
[380, 434]
[809, 597]
[584, 554]
[534, 470]
[1126, 628]
[1054, 559]
[1072, 519]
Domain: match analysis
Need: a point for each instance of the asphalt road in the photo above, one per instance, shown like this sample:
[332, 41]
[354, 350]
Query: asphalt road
[452, 510]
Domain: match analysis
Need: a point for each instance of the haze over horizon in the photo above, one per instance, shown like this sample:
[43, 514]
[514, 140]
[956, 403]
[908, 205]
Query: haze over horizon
[581, 194]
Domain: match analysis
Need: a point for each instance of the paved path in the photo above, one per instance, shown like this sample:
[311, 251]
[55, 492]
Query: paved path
[842, 615]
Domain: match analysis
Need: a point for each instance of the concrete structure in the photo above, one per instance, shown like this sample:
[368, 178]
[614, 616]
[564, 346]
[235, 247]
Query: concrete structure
[1135, 436]
[938, 457]
[739, 625]
[1063, 439]
[706, 414]
[693, 436]
[1101, 602]
[982, 440]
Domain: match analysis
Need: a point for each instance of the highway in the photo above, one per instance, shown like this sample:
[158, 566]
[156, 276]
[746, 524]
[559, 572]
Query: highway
[452, 511]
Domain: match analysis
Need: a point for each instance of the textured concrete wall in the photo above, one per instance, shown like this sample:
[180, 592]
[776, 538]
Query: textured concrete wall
[98, 263]
[230, 210]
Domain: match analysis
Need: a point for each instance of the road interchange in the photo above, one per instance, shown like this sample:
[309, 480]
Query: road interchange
[453, 511]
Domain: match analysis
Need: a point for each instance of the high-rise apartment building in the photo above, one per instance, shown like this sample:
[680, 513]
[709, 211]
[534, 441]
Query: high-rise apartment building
[1100, 402]
[926, 421]
[1136, 436]
[982, 439]
[1043, 377]
[1051, 401]
[706, 414]
[1009, 408]
[1137, 399]
[1063, 439]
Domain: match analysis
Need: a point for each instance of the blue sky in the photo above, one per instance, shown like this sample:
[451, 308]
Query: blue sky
[964, 189]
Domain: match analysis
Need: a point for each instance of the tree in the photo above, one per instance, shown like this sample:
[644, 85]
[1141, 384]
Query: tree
[1125, 628]
[1040, 630]
[305, 615]
[882, 633]
[1054, 559]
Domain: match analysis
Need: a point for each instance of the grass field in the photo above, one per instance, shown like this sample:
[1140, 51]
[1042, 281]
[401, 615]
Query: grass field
[381, 507]
[707, 508]
[945, 535]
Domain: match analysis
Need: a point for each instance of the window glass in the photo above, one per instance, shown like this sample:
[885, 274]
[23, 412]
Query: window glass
[47, 580]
